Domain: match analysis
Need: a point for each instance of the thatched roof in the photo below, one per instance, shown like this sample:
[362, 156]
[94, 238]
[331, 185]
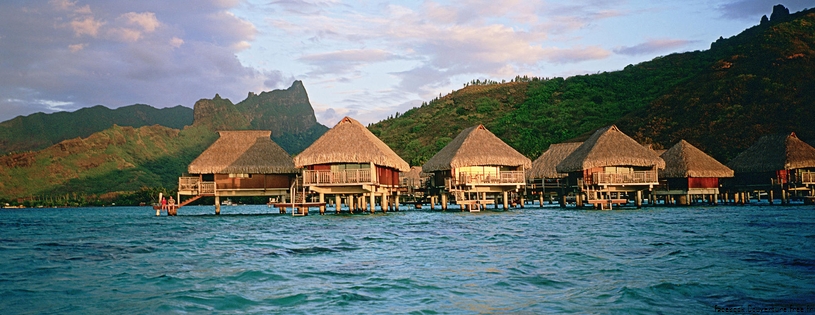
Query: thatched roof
[684, 160]
[243, 152]
[473, 147]
[773, 153]
[544, 166]
[350, 142]
[609, 147]
[415, 174]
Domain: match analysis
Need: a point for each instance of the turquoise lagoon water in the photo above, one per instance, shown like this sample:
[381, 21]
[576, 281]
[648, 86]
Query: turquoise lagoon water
[664, 260]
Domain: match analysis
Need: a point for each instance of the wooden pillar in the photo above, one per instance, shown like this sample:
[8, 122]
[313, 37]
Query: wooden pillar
[385, 202]
[443, 201]
[337, 203]
[523, 200]
[578, 199]
[322, 204]
[784, 196]
[638, 200]
[373, 202]
[396, 203]
[771, 196]
[505, 200]
[562, 198]
[432, 202]
[715, 199]
[217, 205]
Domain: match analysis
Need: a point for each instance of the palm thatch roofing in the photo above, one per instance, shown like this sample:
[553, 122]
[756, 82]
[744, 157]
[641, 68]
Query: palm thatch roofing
[243, 152]
[773, 153]
[683, 160]
[475, 146]
[609, 147]
[415, 174]
[544, 166]
[350, 142]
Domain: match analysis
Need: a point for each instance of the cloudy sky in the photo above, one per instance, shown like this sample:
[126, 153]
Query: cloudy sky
[367, 59]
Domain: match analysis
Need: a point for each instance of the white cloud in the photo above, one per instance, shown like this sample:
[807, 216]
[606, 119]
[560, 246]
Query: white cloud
[76, 47]
[653, 46]
[86, 26]
[146, 20]
[176, 42]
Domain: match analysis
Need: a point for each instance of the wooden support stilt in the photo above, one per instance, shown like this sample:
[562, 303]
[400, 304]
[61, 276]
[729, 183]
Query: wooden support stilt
[217, 205]
[505, 200]
[337, 203]
[385, 202]
[322, 204]
[396, 203]
[443, 201]
[638, 200]
[373, 202]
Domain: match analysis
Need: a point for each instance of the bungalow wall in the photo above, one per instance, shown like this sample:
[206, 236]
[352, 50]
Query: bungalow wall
[440, 176]
[252, 181]
[387, 176]
[692, 182]
[758, 178]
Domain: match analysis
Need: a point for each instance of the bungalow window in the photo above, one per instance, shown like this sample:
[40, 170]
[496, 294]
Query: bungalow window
[617, 170]
[240, 175]
[349, 166]
[478, 170]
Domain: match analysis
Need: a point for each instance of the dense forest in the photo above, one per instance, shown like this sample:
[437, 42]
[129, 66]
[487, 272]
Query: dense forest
[721, 99]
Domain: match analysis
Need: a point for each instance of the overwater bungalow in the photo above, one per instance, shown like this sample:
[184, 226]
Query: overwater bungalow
[775, 164]
[474, 166]
[610, 166]
[543, 179]
[690, 173]
[349, 162]
[239, 163]
[414, 182]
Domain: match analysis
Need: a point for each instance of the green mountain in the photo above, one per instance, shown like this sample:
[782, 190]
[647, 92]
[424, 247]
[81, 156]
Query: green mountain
[121, 160]
[38, 131]
[721, 99]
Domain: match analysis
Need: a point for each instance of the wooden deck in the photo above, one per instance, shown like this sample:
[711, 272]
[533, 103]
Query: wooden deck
[601, 203]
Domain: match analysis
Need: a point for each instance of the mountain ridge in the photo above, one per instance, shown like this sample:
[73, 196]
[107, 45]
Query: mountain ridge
[124, 159]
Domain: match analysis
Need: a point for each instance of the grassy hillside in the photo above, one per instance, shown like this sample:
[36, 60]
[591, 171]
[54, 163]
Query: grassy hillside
[724, 98]
[117, 159]
[124, 159]
[38, 131]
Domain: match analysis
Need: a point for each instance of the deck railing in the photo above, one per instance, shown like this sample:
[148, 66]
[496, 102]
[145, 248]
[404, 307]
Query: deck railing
[506, 177]
[360, 176]
[195, 185]
[639, 177]
[806, 177]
